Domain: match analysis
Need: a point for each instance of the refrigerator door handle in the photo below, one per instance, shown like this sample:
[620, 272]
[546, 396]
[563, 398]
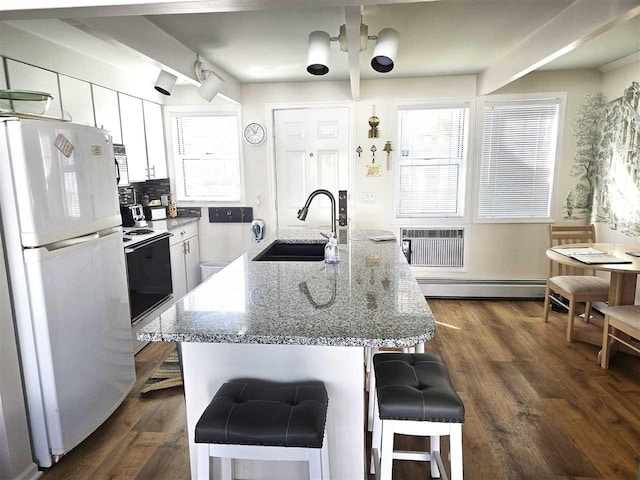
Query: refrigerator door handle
[71, 241]
[65, 246]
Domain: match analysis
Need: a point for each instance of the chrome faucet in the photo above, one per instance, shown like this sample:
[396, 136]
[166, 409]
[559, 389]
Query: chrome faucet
[302, 213]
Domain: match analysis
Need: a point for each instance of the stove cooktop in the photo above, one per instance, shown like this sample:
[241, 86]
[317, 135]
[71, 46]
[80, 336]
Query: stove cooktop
[132, 236]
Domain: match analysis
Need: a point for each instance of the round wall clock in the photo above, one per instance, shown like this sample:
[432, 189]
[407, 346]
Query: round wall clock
[254, 134]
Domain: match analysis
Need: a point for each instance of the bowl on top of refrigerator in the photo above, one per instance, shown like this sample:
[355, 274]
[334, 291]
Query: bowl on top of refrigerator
[25, 101]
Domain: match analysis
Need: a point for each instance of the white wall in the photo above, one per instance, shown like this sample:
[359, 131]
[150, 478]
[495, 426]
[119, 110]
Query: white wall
[496, 251]
[15, 447]
[614, 82]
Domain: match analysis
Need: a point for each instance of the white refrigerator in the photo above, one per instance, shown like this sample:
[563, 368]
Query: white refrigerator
[66, 268]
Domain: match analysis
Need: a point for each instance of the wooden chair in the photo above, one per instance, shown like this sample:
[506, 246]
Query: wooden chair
[578, 285]
[625, 319]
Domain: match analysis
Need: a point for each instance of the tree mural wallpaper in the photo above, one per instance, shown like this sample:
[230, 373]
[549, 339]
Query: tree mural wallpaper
[607, 162]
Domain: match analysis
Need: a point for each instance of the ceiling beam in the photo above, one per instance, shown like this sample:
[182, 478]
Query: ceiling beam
[155, 46]
[15, 9]
[582, 21]
[353, 18]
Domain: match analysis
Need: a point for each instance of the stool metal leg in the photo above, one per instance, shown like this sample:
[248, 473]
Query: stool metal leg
[455, 440]
[203, 462]
[434, 447]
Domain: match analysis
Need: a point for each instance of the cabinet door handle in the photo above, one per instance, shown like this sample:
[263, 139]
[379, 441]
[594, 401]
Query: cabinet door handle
[183, 232]
[184, 248]
[153, 169]
[188, 247]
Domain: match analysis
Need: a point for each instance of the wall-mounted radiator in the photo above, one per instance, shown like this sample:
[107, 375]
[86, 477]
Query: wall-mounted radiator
[433, 247]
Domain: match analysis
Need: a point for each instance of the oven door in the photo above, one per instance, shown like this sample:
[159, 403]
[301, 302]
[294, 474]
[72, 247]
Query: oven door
[149, 272]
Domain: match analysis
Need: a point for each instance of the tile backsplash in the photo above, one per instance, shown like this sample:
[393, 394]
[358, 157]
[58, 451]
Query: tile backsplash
[153, 188]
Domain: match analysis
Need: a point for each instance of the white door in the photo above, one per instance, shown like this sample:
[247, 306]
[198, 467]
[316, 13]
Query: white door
[312, 152]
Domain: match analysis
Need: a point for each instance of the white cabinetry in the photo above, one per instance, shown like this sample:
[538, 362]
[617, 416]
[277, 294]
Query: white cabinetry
[105, 103]
[154, 134]
[132, 119]
[27, 77]
[185, 259]
[3, 83]
[76, 100]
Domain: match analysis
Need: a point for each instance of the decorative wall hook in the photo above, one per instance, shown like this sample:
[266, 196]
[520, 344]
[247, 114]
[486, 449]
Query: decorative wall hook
[373, 150]
[387, 148]
[373, 123]
[359, 150]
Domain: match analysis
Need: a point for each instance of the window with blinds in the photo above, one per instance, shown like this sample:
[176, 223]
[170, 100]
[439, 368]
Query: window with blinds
[519, 141]
[207, 157]
[432, 162]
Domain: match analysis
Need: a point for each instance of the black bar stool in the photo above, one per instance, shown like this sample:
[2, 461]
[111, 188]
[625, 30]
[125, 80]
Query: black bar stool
[262, 420]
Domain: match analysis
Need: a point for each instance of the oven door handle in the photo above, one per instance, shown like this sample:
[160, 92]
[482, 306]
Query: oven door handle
[146, 243]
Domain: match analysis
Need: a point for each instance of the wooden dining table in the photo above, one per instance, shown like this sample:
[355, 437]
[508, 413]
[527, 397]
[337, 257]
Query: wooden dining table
[624, 276]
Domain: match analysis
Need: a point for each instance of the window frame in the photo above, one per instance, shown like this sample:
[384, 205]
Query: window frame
[171, 112]
[518, 98]
[465, 178]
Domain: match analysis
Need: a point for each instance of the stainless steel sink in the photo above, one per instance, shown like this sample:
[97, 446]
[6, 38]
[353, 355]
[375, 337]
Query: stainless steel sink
[292, 252]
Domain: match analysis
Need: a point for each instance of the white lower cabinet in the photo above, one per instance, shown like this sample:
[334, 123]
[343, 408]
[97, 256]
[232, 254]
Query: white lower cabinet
[185, 259]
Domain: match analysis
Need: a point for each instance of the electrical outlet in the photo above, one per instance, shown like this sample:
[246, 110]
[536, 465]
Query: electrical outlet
[367, 197]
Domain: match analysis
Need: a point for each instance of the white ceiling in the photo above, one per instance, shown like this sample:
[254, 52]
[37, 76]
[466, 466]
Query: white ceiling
[437, 38]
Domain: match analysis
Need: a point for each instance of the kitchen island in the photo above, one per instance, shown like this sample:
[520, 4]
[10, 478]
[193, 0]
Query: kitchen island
[293, 320]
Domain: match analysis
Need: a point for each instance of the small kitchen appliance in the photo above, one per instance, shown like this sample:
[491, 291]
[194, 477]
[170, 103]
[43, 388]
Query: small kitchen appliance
[132, 216]
[122, 167]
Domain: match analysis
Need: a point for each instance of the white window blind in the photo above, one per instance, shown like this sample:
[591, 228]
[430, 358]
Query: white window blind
[518, 157]
[207, 157]
[432, 161]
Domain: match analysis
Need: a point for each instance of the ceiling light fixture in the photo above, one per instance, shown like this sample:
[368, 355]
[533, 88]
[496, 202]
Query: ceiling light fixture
[384, 52]
[210, 82]
[165, 82]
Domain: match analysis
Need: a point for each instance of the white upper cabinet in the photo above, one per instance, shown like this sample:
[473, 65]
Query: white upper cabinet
[76, 100]
[133, 137]
[26, 77]
[154, 132]
[3, 83]
[107, 111]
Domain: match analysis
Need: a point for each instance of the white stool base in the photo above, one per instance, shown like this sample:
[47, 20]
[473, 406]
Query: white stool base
[318, 458]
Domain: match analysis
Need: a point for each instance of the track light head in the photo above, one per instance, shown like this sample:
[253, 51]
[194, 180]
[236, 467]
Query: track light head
[211, 83]
[318, 53]
[165, 82]
[385, 51]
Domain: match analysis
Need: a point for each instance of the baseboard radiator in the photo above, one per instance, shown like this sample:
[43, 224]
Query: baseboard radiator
[433, 247]
[462, 288]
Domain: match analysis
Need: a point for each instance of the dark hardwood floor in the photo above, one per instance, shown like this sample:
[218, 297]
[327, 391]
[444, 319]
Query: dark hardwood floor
[537, 407]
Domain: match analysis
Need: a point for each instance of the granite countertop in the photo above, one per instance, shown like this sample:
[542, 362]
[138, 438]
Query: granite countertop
[171, 223]
[370, 298]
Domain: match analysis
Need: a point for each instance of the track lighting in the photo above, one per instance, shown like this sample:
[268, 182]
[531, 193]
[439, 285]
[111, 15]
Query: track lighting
[318, 53]
[384, 52]
[211, 83]
[165, 82]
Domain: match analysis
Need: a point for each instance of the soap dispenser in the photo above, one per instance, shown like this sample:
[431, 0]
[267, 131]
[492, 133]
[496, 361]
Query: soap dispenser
[331, 250]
